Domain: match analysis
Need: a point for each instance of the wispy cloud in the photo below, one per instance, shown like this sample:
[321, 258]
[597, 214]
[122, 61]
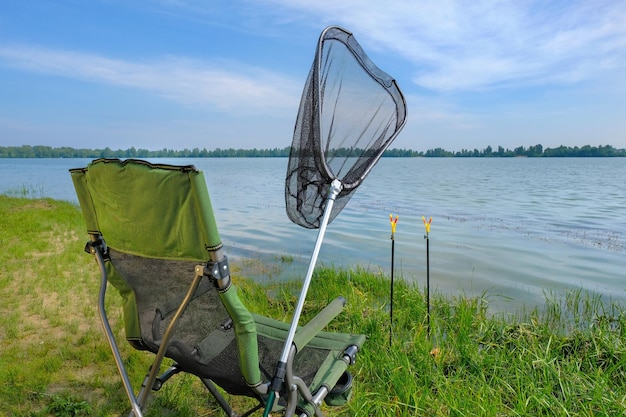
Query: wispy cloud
[456, 45]
[448, 45]
[226, 86]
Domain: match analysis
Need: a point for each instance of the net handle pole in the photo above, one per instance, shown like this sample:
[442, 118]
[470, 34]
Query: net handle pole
[279, 373]
[335, 188]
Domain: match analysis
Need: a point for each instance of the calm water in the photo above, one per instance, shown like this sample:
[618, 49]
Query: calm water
[511, 228]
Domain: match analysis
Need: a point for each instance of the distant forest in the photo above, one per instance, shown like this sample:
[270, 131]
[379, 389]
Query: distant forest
[27, 151]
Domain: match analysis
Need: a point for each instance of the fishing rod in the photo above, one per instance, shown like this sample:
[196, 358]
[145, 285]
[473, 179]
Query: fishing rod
[393, 232]
[426, 236]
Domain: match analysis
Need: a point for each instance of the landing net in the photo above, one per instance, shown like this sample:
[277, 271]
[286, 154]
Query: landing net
[349, 113]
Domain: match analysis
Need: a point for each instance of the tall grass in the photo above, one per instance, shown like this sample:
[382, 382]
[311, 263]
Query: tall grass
[565, 359]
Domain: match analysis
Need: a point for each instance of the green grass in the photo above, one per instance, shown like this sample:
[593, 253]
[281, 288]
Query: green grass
[565, 359]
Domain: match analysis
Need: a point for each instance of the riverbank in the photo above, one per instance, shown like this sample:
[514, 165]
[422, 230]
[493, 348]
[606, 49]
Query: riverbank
[568, 358]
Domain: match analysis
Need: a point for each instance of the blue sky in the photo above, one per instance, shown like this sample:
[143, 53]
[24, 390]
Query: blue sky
[219, 74]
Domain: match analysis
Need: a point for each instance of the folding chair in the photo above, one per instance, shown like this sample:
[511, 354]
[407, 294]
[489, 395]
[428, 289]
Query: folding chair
[155, 239]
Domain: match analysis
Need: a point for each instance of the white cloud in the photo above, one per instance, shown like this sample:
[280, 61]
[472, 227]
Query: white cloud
[453, 45]
[225, 86]
[458, 45]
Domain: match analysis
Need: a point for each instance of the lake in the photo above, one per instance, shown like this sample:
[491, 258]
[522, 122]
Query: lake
[510, 228]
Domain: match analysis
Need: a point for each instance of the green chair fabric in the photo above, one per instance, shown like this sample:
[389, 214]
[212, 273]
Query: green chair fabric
[151, 210]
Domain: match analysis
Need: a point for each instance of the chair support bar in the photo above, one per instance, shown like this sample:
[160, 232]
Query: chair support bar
[169, 331]
[165, 376]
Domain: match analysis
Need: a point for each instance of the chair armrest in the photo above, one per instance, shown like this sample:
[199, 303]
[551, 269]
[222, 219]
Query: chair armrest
[312, 328]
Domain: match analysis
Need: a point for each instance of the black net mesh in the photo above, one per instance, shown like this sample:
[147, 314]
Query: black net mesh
[350, 112]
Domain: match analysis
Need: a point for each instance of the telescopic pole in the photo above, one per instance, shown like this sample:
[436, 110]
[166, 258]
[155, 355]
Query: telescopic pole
[393, 243]
[281, 366]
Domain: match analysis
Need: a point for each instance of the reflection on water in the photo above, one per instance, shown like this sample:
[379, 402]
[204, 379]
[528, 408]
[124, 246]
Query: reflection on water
[510, 227]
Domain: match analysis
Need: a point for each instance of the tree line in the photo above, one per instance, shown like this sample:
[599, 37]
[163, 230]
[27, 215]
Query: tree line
[27, 151]
[532, 151]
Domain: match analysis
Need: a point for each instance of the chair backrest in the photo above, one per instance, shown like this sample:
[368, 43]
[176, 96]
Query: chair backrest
[157, 223]
[118, 200]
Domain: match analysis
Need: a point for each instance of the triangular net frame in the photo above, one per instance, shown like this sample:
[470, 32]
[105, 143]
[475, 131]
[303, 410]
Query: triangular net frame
[350, 112]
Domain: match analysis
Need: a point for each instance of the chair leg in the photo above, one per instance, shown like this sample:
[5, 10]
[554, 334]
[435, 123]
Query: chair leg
[219, 397]
[252, 410]
[135, 408]
[224, 404]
